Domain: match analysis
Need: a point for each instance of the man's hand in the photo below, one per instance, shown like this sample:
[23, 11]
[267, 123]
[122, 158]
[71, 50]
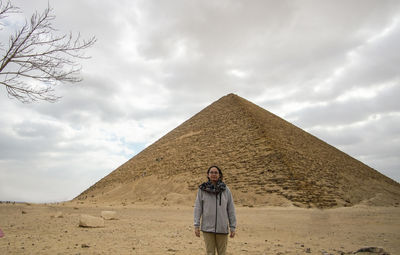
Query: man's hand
[197, 231]
[232, 234]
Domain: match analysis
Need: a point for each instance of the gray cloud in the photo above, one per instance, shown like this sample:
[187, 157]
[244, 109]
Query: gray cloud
[329, 67]
[349, 111]
[375, 143]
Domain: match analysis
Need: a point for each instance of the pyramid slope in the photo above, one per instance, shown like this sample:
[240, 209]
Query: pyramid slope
[265, 160]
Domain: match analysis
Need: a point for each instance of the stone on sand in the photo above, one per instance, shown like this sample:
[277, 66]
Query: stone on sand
[109, 215]
[89, 221]
[372, 250]
[58, 214]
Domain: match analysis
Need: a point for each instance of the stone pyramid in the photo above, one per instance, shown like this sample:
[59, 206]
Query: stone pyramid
[265, 159]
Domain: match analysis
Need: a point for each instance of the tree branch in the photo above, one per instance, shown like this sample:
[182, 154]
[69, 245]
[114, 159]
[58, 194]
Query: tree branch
[37, 53]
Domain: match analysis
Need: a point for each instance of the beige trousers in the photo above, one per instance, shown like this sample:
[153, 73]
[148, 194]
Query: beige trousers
[215, 241]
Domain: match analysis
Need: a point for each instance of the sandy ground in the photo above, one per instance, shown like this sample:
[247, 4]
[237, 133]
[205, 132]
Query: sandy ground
[145, 229]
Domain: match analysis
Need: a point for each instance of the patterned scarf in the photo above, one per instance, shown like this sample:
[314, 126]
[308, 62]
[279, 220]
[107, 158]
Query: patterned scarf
[209, 187]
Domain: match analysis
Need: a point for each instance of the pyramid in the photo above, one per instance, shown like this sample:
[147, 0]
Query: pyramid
[265, 160]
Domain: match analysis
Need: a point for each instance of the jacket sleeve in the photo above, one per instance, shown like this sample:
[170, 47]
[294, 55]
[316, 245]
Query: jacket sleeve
[198, 209]
[231, 212]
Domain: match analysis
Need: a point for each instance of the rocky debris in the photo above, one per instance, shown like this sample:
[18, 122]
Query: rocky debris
[1, 233]
[89, 221]
[371, 250]
[109, 215]
[58, 214]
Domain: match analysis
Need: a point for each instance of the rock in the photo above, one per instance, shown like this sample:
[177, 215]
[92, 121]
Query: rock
[109, 215]
[373, 250]
[57, 215]
[1, 233]
[89, 221]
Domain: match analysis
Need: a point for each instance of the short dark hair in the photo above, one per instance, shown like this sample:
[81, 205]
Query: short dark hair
[219, 171]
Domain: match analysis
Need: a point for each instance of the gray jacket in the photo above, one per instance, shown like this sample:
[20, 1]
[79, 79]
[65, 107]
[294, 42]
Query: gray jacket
[215, 211]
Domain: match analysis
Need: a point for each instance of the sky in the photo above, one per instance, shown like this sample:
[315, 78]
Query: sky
[331, 68]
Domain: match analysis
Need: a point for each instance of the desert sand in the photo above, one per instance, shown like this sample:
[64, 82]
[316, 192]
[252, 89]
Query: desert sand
[157, 229]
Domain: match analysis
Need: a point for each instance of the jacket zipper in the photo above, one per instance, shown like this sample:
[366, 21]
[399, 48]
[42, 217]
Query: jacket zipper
[216, 211]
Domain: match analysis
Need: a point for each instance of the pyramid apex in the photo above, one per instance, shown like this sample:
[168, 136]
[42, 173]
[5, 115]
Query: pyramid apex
[231, 95]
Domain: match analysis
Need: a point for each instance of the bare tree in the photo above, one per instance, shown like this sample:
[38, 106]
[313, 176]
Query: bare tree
[38, 58]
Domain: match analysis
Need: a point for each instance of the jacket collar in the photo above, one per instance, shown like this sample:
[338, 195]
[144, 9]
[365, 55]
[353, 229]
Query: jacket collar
[209, 187]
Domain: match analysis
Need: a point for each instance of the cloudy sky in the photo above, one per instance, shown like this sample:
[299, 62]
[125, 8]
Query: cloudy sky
[329, 67]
